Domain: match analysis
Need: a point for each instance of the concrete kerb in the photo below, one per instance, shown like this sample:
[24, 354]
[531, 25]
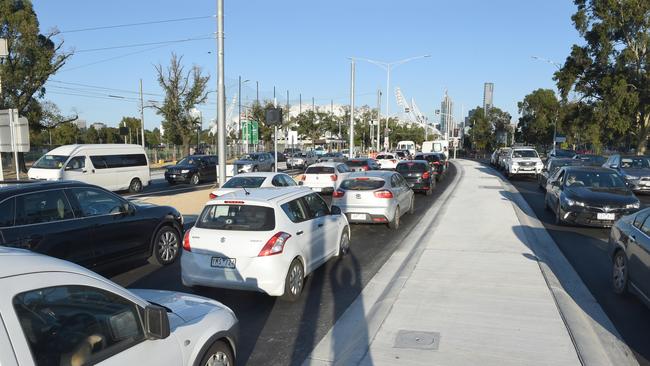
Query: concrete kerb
[595, 338]
[369, 310]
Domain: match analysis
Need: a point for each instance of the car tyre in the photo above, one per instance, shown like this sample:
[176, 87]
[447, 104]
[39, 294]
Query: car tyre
[394, 225]
[619, 273]
[344, 243]
[412, 208]
[294, 282]
[558, 215]
[218, 354]
[135, 186]
[195, 179]
[166, 246]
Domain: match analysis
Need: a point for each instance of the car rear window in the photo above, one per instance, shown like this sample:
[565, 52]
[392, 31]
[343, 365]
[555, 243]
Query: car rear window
[320, 170]
[244, 182]
[411, 167]
[357, 162]
[524, 154]
[362, 184]
[382, 156]
[237, 217]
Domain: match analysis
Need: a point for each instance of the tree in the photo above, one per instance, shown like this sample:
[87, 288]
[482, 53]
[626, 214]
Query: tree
[65, 134]
[610, 71]
[133, 124]
[152, 138]
[183, 91]
[51, 117]
[33, 58]
[91, 137]
[482, 131]
[539, 110]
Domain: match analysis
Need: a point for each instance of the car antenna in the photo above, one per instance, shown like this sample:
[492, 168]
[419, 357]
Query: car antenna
[247, 192]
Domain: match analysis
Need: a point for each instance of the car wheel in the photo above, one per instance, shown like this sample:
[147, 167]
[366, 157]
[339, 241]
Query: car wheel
[166, 245]
[619, 273]
[219, 354]
[395, 223]
[195, 179]
[255, 169]
[295, 281]
[344, 243]
[135, 186]
[412, 208]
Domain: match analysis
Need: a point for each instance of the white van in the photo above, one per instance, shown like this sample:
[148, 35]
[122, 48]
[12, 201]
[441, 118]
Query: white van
[437, 146]
[115, 167]
[407, 145]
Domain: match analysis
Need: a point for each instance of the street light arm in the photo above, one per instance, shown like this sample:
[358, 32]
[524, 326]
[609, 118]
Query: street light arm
[401, 62]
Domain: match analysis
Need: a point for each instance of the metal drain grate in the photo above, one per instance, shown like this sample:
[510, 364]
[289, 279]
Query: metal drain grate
[417, 339]
[491, 187]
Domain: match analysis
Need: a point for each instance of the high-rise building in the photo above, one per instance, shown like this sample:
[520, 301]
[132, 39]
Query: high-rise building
[80, 123]
[446, 115]
[488, 96]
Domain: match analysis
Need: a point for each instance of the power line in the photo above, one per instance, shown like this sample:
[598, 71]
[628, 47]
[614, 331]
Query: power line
[143, 44]
[103, 88]
[136, 24]
[111, 58]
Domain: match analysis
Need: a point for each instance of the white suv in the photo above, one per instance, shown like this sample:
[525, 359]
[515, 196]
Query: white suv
[523, 161]
[266, 240]
[53, 312]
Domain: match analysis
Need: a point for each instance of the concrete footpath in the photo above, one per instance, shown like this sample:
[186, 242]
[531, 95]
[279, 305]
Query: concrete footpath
[468, 287]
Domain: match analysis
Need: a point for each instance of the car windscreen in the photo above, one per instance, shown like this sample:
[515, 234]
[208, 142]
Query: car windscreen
[188, 161]
[595, 160]
[244, 182]
[386, 157]
[50, 162]
[635, 163]
[362, 184]
[237, 217]
[411, 167]
[556, 164]
[564, 153]
[605, 180]
[357, 162]
[249, 157]
[320, 170]
[401, 154]
[524, 154]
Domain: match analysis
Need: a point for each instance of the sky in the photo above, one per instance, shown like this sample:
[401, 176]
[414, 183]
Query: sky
[304, 47]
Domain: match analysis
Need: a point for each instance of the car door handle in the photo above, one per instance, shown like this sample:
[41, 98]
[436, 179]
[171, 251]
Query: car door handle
[299, 232]
[632, 238]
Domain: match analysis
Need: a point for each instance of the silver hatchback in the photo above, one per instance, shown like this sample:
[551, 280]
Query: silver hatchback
[374, 197]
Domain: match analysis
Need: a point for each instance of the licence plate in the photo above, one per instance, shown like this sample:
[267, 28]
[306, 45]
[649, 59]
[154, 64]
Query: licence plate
[221, 262]
[606, 216]
[358, 216]
[316, 189]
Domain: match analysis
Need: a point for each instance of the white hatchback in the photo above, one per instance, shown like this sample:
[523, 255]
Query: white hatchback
[266, 240]
[323, 177]
[388, 161]
[255, 180]
[54, 312]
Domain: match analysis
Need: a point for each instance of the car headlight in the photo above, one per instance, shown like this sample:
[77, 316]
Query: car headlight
[571, 202]
[631, 177]
[185, 171]
[636, 204]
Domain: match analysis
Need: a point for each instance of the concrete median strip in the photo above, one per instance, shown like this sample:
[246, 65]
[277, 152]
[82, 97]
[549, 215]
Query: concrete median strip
[596, 339]
[369, 310]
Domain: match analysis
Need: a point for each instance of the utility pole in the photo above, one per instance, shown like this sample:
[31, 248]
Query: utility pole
[239, 113]
[378, 120]
[300, 106]
[257, 91]
[141, 112]
[221, 96]
[351, 150]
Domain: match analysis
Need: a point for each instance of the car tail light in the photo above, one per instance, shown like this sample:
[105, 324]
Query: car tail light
[384, 194]
[333, 177]
[365, 167]
[186, 241]
[394, 161]
[425, 175]
[436, 163]
[303, 177]
[275, 245]
[338, 193]
[212, 196]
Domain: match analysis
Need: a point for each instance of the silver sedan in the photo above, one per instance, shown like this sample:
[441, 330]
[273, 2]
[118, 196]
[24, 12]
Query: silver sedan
[374, 197]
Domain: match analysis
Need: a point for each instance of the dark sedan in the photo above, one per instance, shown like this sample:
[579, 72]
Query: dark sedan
[551, 166]
[87, 224]
[360, 165]
[590, 159]
[418, 174]
[634, 169]
[436, 161]
[193, 169]
[629, 249]
[589, 196]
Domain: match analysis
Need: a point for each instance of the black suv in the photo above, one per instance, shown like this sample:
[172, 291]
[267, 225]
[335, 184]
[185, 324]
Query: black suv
[86, 224]
[193, 169]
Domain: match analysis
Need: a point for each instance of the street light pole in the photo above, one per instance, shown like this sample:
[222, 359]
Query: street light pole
[558, 67]
[141, 113]
[221, 96]
[351, 149]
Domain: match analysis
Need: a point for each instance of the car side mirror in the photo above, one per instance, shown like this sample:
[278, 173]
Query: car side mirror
[127, 209]
[156, 322]
[335, 210]
[556, 183]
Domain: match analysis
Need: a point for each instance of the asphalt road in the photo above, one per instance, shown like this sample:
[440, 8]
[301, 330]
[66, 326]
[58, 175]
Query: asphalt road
[274, 332]
[586, 250]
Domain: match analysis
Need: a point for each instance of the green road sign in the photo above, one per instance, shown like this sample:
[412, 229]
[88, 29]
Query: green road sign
[250, 131]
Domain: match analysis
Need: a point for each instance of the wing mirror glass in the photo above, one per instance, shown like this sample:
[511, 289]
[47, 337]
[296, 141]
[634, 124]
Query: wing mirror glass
[156, 322]
[335, 210]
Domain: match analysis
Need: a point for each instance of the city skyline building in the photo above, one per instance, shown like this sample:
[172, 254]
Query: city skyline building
[446, 114]
[488, 96]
